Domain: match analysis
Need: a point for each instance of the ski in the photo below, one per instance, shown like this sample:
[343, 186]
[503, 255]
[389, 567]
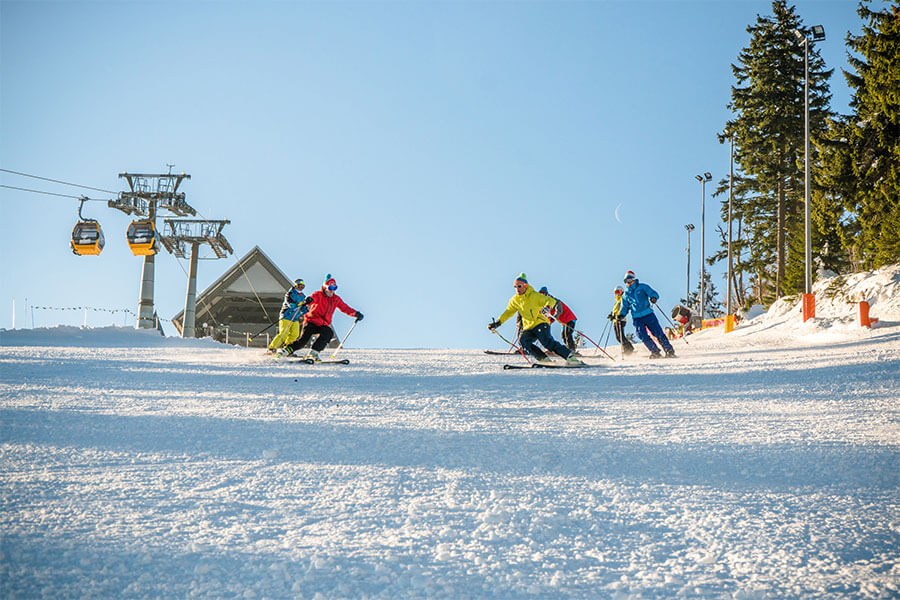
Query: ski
[310, 361]
[543, 366]
[500, 352]
[341, 361]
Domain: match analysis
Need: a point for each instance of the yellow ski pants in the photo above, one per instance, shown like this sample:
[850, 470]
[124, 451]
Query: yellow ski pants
[288, 331]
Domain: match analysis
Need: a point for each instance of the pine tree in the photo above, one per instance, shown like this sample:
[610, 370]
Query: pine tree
[874, 134]
[713, 306]
[768, 100]
[835, 226]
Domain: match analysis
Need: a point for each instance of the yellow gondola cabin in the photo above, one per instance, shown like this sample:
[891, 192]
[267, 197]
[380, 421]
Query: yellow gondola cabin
[142, 238]
[87, 238]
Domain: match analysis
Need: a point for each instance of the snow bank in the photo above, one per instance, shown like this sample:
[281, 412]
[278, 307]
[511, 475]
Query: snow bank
[837, 306]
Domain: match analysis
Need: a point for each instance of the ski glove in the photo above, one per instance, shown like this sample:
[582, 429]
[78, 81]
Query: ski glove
[653, 300]
[610, 317]
[494, 325]
[359, 316]
[309, 300]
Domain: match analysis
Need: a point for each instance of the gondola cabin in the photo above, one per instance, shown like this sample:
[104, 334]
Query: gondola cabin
[87, 238]
[142, 238]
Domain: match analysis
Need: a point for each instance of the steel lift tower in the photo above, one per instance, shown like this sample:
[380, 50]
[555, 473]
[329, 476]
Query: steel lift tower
[183, 232]
[148, 194]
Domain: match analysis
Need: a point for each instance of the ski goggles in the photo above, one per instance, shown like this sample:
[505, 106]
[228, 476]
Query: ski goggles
[331, 287]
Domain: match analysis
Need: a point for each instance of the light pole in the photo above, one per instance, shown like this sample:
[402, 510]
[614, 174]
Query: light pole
[703, 179]
[728, 316]
[818, 34]
[687, 296]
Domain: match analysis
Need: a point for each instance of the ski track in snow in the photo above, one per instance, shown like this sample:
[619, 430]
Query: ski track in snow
[759, 464]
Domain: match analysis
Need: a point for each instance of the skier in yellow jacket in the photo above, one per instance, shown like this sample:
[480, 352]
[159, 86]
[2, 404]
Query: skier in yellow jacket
[535, 310]
[618, 321]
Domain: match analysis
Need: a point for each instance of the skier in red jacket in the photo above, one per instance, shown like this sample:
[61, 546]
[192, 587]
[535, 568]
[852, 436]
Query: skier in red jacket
[566, 318]
[322, 304]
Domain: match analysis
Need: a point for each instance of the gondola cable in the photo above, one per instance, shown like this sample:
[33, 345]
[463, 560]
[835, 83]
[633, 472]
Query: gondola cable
[87, 187]
[12, 187]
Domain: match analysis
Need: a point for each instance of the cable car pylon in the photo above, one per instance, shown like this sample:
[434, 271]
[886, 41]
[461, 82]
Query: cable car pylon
[147, 194]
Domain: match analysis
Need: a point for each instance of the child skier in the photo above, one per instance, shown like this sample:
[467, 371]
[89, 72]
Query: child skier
[292, 309]
[566, 318]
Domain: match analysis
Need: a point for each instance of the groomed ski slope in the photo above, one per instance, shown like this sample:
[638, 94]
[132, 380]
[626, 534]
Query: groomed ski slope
[759, 464]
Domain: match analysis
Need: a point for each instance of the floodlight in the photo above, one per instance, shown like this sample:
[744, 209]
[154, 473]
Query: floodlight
[801, 37]
[818, 33]
[708, 176]
[698, 177]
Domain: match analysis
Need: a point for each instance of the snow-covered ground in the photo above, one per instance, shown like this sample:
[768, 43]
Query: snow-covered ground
[762, 463]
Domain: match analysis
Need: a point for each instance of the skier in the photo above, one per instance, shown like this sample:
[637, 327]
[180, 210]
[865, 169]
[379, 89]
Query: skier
[534, 309]
[618, 321]
[566, 318]
[317, 321]
[292, 309]
[638, 299]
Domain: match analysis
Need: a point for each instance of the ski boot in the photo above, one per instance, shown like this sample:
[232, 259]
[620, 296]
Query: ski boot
[655, 354]
[670, 353]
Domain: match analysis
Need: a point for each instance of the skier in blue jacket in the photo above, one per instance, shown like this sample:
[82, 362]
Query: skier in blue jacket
[293, 308]
[638, 299]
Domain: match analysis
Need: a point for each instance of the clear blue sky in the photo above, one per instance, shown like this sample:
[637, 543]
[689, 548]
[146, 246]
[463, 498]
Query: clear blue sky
[422, 152]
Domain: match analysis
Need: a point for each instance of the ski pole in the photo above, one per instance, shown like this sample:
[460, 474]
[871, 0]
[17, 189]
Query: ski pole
[669, 320]
[603, 332]
[341, 345]
[582, 334]
[264, 330]
[521, 351]
[606, 341]
[513, 346]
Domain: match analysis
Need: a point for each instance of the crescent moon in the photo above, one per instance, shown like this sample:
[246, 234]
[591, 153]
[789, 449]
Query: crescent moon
[616, 212]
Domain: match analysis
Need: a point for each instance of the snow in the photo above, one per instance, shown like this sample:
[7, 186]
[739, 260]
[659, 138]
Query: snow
[760, 463]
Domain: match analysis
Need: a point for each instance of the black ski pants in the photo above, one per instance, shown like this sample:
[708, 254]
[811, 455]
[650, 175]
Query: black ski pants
[324, 332]
[541, 334]
[619, 328]
[568, 335]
